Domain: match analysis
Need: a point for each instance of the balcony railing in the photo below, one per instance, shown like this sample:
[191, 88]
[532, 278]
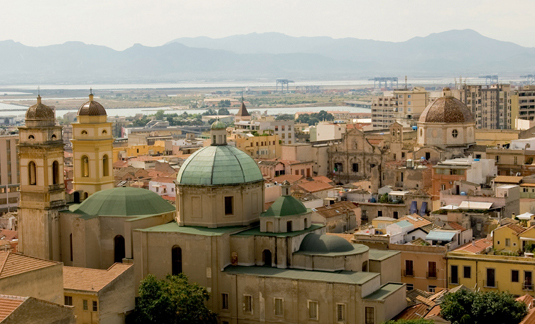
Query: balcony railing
[431, 275]
[408, 273]
[453, 281]
[527, 286]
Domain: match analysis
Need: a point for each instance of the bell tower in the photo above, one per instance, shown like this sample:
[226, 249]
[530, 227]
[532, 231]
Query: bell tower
[42, 193]
[92, 148]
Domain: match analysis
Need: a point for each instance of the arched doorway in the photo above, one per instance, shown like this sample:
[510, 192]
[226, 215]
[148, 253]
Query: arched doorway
[32, 174]
[119, 248]
[176, 259]
[266, 257]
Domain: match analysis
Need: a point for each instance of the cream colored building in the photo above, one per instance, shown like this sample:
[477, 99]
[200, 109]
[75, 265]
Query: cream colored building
[490, 105]
[92, 147]
[9, 173]
[100, 296]
[402, 105]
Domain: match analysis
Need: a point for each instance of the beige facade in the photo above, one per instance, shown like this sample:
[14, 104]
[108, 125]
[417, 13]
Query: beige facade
[258, 146]
[9, 173]
[402, 105]
[490, 105]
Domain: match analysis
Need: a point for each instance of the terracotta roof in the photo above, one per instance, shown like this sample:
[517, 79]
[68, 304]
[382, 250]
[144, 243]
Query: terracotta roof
[529, 318]
[314, 186]
[414, 312]
[163, 179]
[85, 279]
[526, 299]
[8, 235]
[456, 226]
[291, 178]
[120, 164]
[336, 209]
[435, 311]
[8, 304]
[426, 301]
[416, 220]
[476, 247]
[12, 264]
[322, 178]
[412, 296]
[446, 109]
[508, 179]
[517, 228]
[169, 198]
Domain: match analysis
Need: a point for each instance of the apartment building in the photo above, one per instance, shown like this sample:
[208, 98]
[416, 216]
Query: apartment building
[402, 105]
[9, 173]
[526, 102]
[490, 105]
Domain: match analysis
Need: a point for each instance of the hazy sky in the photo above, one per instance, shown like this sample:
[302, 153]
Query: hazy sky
[121, 23]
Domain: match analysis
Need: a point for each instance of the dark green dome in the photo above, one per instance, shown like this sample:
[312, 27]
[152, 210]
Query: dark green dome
[219, 165]
[124, 201]
[286, 206]
[325, 244]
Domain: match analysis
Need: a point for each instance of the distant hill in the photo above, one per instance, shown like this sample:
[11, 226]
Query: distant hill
[268, 55]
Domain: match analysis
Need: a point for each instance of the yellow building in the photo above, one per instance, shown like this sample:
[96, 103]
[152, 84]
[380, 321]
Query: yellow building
[121, 153]
[259, 146]
[100, 296]
[493, 137]
[506, 269]
[92, 147]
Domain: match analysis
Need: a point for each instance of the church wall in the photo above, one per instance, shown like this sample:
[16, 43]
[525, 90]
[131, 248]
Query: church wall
[389, 268]
[66, 221]
[45, 283]
[117, 298]
[241, 245]
[262, 243]
[39, 233]
[145, 222]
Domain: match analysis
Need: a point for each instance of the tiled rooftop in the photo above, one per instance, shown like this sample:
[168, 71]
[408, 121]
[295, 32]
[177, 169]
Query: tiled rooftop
[12, 264]
[86, 279]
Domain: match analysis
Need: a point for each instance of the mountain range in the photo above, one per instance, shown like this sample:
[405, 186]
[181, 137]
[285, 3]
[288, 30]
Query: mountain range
[264, 56]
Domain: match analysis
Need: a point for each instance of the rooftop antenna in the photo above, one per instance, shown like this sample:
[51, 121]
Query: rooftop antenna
[406, 88]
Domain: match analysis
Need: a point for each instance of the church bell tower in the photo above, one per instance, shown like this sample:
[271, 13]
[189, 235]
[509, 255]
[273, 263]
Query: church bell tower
[42, 193]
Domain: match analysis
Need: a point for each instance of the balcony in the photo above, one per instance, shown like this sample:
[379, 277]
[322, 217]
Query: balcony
[431, 275]
[490, 284]
[408, 273]
[527, 286]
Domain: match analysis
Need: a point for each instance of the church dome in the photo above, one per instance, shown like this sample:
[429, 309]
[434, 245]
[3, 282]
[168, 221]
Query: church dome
[219, 165]
[446, 109]
[124, 201]
[40, 111]
[218, 125]
[91, 108]
[323, 243]
[286, 206]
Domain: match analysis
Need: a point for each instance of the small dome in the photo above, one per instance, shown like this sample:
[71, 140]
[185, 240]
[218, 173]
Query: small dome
[124, 201]
[219, 165]
[286, 206]
[91, 108]
[40, 111]
[446, 109]
[325, 244]
[218, 125]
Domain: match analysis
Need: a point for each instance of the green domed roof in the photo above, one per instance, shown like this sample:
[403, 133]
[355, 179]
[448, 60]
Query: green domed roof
[286, 206]
[219, 165]
[218, 125]
[124, 201]
[325, 244]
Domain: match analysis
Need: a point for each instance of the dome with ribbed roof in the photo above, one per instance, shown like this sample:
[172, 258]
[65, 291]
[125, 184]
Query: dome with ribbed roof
[124, 201]
[323, 243]
[91, 108]
[218, 125]
[219, 165]
[446, 109]
[40, 112]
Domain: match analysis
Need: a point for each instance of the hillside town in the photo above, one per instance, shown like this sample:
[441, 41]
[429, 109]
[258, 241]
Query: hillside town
[354, 218]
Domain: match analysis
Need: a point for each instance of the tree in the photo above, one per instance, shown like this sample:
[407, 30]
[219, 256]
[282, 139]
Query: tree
[223, 111]
[159, 115]
[224, 103]
[467, 307]
[172, 300]
[209, 112]
[285, 117]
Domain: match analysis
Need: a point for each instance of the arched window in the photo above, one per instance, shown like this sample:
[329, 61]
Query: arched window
[84, 132]
[266, 258]
[86, 195]
[454, 133]
[31, 137]
[104, 132]
[32, 173]
[306, 223]
[176, 260]
[55, 172]
[289, 226]
[85, 166]
[119, 248]
[105, 166]
[53, 137]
